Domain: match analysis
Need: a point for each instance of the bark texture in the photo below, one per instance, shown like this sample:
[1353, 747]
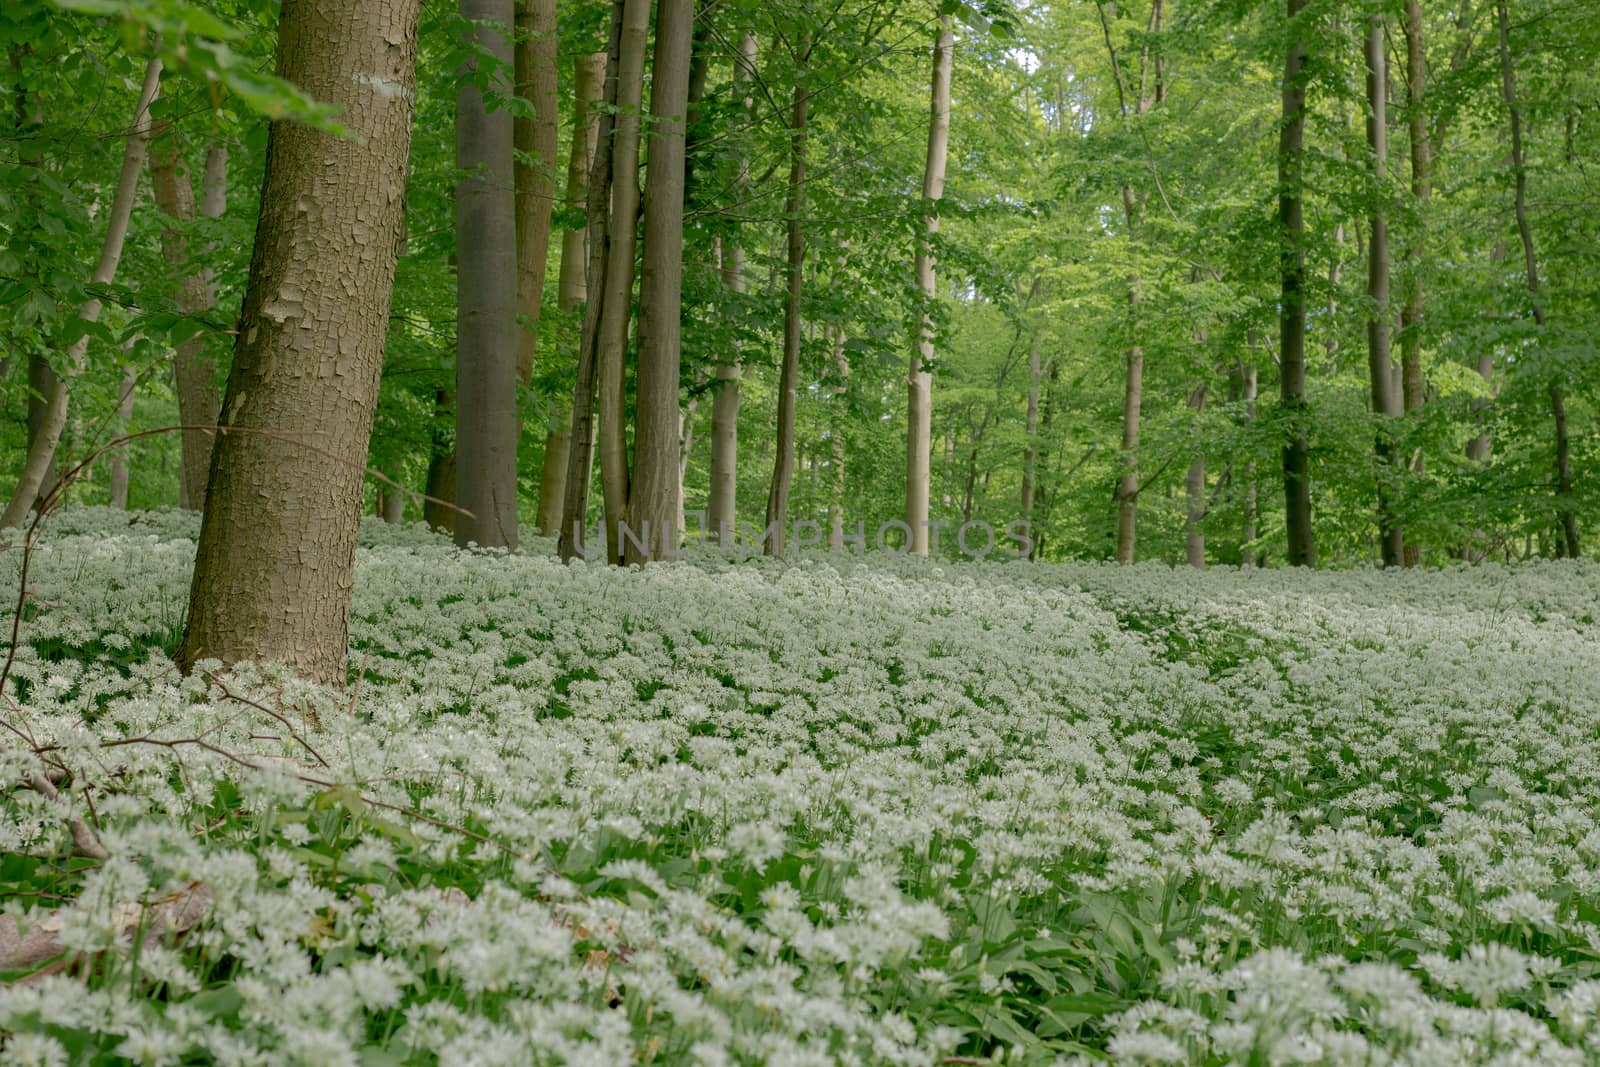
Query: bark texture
[919, 383]
[486, 298]
[53, 417]
[653, 492]
[1302, 550]
[277, 544]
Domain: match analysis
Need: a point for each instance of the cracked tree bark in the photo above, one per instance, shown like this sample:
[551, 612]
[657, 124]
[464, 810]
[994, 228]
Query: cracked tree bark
[275, 561]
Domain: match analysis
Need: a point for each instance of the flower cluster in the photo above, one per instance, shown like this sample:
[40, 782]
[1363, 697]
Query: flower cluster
[881, 811]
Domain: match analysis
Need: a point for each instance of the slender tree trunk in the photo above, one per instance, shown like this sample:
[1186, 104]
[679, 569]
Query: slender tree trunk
[198, 398]
[1413, 388]
[1194, 532]
[723, 508]
[119, 458]
[653, 490]
[1302, 551]
[1422, 193]
[486, 296]
[41, 377]
[1132, 401]
[1558, 410]
[1127, 493]
[789, 375]
[534, 167]
[616, 309]
[42, 384]
[685, 451]
[598, 229]
[438, 510]
[1385, 400]
[1244, 391]
[1030, 453]
[836, 440]
[919, 387]
[571, 287]
[42, 447]
[276, 556]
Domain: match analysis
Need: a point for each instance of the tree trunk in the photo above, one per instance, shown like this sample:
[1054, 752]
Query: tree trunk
[1385, 401]
[486, 296]
[919, 386]
[1244, 391]
[198, 398]
[1558, 410]
[1128, 483]
[1127, 492]
[276, 555]
[534, 167]
[1413, 389]
[615, 314]
[439, 488]
[119, 458]
[1302, 550]
[1194, 530]
[1030, 453]
[789, 375]
[722, 511]
[836, 440]
[42, 445]
[653, 490]
[571, 287]
[597, 228]
[41, 386]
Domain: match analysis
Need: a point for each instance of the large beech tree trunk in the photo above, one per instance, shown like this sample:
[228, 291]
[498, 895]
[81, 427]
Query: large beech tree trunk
[53, 416]
[1413, 389]
[533, 167]
[277, 542]
[1385, 398]
[198, 398]
[1508, 79]
[789, 375]
[615, 309]
[653, 492]
[722, 510]
[486, 297]
[919, 384]
[597, 211]
[1302, 550]
[571, 286]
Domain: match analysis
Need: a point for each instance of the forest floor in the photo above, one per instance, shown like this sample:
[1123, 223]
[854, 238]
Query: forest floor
[880, 812]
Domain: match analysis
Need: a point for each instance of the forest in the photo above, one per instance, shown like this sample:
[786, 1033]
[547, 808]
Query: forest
[816, 532]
